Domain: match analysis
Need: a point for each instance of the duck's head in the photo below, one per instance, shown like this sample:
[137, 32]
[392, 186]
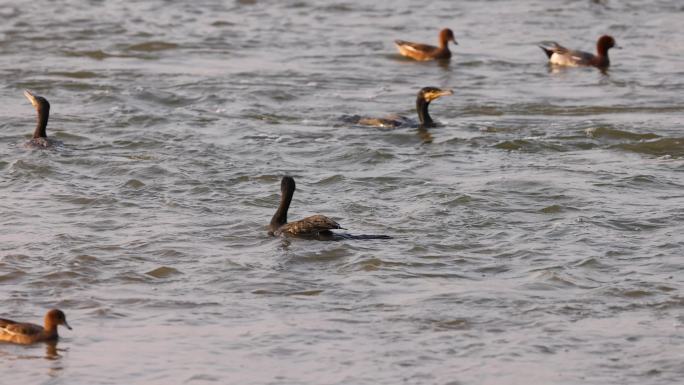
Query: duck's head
[605, 43]
[447, 35]
[429, 94]
[56, 317]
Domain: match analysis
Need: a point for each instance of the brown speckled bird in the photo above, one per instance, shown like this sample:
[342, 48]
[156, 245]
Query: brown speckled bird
[312, 226]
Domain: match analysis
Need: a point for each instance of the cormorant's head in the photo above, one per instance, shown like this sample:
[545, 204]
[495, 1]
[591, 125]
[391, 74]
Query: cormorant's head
[287, 184]
[605, 42]
[39, 102]
[431, 93]
[446, 35]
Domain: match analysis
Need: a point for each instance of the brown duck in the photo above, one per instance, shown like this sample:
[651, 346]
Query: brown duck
[28, 333]
[424, 52]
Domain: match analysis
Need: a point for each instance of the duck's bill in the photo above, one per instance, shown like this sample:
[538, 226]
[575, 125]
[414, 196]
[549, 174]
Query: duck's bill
[67, 325]
[31, 97]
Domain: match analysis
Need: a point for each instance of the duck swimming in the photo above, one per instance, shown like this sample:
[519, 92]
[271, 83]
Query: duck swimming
[424, 52]
[423, 99]
[561, 56]
[28, 333]
[42, 106]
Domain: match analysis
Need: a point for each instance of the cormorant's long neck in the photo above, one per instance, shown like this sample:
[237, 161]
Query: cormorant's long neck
[43, 115]
[423, 115]
[280, 216]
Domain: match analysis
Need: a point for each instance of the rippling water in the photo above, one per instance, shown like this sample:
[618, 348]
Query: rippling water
[537, 232]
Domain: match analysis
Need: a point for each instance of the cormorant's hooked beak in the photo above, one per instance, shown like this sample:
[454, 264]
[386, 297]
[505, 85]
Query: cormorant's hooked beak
[31, 97]
[436, 94]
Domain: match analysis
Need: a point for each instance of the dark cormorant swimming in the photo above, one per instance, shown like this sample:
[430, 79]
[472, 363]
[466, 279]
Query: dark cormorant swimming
[423, 99]
[314, 227]
[42, 106]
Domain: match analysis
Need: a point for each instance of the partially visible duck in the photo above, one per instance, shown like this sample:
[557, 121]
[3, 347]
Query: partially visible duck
[559, 55]
[42, 106]
[423, 99]
[28, 333]
[312, 226]
[424, 52]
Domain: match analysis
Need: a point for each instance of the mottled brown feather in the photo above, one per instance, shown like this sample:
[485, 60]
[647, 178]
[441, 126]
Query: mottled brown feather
[423, 52]
[309, 226]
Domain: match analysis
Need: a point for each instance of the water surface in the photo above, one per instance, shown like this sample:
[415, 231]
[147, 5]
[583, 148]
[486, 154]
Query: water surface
[537, 232]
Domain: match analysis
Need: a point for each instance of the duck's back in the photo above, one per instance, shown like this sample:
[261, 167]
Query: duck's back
[420, 51]
[20, 333]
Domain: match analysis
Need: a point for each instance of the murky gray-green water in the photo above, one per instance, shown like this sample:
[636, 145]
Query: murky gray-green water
[538, 233]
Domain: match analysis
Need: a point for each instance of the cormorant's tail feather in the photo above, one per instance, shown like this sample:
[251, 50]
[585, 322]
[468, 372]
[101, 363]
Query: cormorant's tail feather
[366, 236]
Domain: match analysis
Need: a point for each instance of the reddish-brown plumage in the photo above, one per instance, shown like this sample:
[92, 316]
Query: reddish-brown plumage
[28, 333]
[424, 52]
[561, 56]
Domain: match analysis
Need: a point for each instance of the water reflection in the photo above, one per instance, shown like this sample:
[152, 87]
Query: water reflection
[51, 351]
[424, 135]
[444, 64]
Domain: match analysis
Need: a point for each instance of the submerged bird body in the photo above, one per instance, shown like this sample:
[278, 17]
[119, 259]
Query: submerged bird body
[561, 56]
[42, 106]
[424, 52]
[312, 226]
[28, 333]
[392, 121]
[423, 99]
